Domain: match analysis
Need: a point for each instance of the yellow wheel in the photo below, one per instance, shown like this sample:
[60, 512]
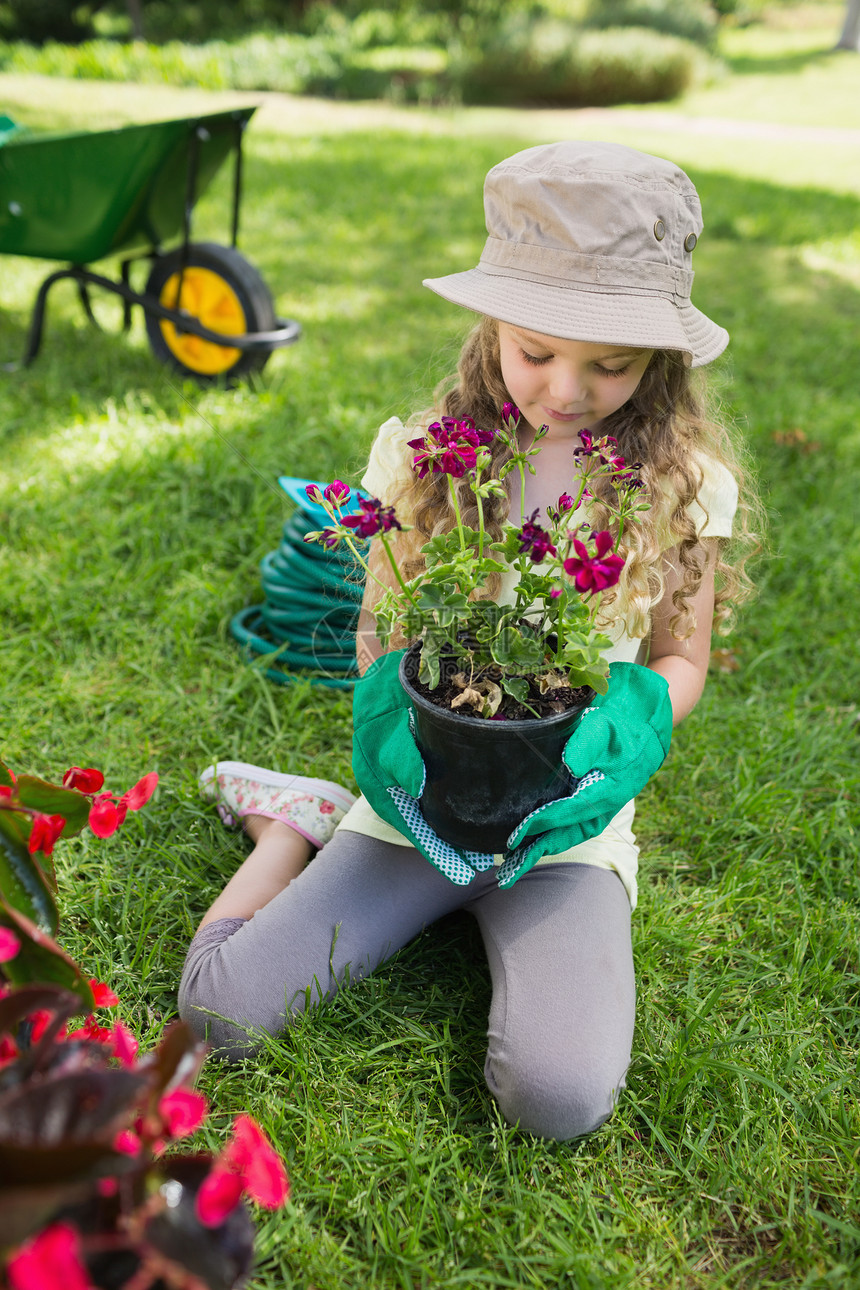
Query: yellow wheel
[222, 291]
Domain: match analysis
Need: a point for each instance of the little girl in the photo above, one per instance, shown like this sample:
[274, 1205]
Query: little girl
[586, 324]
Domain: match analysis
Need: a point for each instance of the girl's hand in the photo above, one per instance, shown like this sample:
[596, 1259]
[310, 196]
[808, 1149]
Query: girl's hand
[684, 664]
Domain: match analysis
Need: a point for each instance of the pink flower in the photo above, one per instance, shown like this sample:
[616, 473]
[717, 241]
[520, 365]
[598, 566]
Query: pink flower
[337, 493]
[10, 944]
[44, 832]
[183, 1111]
[127, 1142]
[314, 493]
[510, 412]
[218, 1196]
[249, 1163]
[85, 781]
[594, 572]
[51, 1260]
[125, 1045]
[326, 808]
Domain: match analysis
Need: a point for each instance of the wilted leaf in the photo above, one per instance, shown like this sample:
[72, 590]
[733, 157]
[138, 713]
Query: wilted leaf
[724, 660]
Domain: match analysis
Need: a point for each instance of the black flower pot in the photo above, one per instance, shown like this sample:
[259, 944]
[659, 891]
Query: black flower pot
[484, 777]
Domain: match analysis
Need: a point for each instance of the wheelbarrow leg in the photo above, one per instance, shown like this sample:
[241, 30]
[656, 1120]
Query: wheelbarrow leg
[37, 319]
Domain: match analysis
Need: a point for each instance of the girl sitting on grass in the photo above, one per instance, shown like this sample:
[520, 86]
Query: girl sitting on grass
[586, 325]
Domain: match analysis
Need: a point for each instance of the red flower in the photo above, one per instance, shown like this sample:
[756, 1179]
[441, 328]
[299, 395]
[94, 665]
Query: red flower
[51, 1260]
[594, 572]
[10, 944]
[44, 832]
[91, 1030]
[106, 814]
[534, 540]
[103, 995]
[449, 447]
[183, 1111]
[85, 781]
[249, 1163]
[372, 519]
[135, 798]
[8, 1050]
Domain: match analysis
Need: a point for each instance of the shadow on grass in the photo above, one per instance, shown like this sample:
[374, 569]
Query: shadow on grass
[750, 65]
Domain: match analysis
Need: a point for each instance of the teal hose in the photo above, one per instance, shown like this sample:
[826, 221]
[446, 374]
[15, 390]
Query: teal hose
[310, 613]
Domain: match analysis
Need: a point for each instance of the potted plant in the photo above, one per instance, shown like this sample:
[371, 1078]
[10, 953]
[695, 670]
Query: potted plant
[515, 675]
[93, 1193]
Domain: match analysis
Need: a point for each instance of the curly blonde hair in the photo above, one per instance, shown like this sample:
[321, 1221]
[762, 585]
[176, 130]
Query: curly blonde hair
[665, 426]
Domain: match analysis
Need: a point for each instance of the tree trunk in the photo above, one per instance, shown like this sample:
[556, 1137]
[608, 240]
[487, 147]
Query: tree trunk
[850, 38]
[136, 16]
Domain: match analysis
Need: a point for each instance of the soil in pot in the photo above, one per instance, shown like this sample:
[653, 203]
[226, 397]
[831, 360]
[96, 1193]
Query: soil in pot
[486, 775]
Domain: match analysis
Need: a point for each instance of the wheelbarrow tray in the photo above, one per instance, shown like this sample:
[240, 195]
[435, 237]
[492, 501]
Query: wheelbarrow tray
[80, 196]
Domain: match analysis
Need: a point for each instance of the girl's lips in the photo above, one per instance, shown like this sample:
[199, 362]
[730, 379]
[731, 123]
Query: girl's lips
[563, 416]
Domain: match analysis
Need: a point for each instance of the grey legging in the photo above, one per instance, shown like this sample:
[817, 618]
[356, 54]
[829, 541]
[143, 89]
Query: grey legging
[558, 945]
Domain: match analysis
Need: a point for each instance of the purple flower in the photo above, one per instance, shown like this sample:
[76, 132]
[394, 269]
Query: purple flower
[534, 540]
[594, 572]
[449, 447]
[510, 412]
[337, 493]
[565, 503]
[374, 518]
[313, 492]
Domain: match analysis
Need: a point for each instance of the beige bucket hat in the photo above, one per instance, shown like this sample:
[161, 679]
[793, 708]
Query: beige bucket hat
[591, 242]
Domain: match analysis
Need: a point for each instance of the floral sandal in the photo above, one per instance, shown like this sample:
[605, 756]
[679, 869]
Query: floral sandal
[313, 807]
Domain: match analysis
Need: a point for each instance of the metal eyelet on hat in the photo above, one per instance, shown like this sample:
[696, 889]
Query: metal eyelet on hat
[659, 230]
[690, 241]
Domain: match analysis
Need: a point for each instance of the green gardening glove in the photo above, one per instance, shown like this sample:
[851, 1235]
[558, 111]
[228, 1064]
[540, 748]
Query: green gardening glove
[618, 744]
[390, 772]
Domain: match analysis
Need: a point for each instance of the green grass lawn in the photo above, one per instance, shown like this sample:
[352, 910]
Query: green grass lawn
[134, 511]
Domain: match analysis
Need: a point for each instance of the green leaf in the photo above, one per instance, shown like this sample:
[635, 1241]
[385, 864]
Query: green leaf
[51, 799]
[23, 885]
[40, 959]
[517, 687]
[6, 777]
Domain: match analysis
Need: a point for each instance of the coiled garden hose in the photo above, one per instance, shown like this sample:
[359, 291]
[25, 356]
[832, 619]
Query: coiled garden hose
[310, 612]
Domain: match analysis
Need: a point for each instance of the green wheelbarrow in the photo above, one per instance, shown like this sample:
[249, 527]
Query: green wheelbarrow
[79, 197]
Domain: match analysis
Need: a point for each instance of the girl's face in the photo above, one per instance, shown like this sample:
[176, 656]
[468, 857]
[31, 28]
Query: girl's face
[569, 385]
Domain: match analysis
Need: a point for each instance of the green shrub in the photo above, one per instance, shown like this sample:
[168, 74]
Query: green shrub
[411, 75]
[555, 63]
[691, 19]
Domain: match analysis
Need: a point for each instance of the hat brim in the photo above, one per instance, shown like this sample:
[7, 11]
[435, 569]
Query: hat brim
[620, 317]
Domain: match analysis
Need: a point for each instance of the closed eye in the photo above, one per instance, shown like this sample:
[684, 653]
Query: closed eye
[534, 359]
[613, 371]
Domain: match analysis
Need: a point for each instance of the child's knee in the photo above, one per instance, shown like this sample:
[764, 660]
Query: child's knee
[204, 1009]
[557, 1103]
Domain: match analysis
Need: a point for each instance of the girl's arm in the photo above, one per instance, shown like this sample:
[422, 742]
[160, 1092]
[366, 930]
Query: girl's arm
[684, 664]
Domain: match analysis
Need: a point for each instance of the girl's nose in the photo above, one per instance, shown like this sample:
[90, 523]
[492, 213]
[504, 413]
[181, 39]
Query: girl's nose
[567, 386]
